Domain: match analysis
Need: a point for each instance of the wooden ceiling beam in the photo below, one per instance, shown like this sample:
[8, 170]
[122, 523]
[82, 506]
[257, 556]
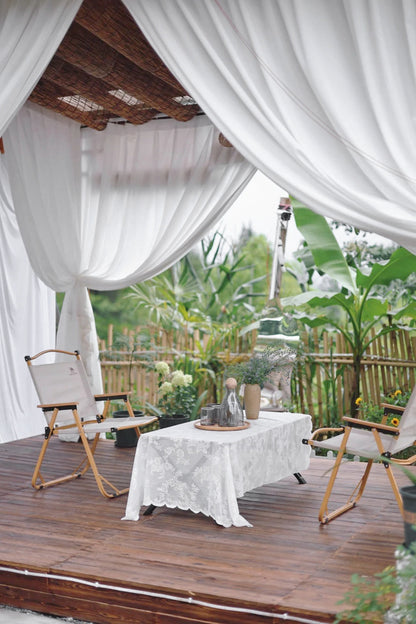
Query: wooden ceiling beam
[49, 95]
[111, 21]
[67, 76]
[82, 49]
[149, 89]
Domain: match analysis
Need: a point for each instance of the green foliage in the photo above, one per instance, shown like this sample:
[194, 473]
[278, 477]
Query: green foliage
[258, 368]
[398, 397]
[110, 308]
[391, 592]
[369, 598]
[323, 245]
[368, 410]
[177, 392]
[374, 412]
[352, 306]
[220, 284]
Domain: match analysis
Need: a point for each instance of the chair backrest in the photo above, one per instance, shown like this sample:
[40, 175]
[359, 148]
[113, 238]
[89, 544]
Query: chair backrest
[64, 382]
[407, 426]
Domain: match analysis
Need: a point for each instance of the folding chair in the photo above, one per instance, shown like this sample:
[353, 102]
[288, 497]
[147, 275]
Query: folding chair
[69, 406]
[370, 441]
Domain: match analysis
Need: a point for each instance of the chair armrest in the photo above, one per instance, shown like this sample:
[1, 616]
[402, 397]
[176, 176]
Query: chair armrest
[49, 407]
[111, 396]
[392, 408]
[367, 424]
[320, 431]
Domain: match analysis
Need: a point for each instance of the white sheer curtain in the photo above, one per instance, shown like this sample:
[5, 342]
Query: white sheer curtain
[30, 32]
[318, 94]
[27, 324]
[147, 195]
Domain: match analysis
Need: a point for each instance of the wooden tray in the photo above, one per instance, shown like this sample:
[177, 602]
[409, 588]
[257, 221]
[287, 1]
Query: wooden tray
[218, 428]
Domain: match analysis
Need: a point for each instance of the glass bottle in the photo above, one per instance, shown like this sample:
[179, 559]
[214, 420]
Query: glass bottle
[231, 411]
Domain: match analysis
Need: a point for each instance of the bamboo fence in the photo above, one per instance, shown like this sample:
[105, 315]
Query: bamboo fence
[321, 379]
[127, 365]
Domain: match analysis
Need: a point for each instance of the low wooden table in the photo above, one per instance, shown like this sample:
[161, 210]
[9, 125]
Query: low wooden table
[207, 471]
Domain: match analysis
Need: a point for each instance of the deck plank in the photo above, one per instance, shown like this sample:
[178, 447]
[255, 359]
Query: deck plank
[69, 535]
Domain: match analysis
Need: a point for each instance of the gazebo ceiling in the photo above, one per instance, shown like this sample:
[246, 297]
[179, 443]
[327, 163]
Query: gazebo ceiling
[105, 69]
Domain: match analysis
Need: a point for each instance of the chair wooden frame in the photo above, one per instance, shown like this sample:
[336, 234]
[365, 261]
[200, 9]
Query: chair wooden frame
[374, 429]
[83, 427]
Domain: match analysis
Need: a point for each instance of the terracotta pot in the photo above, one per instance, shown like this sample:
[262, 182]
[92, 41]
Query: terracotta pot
[252, 395]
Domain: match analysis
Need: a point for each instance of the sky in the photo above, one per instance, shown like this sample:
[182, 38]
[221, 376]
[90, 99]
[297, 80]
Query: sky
[257, 207]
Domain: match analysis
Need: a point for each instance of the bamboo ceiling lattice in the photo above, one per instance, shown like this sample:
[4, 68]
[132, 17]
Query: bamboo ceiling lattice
[104, 69]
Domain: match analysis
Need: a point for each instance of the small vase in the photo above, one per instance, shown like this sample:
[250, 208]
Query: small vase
[252, 395]
[231, 411]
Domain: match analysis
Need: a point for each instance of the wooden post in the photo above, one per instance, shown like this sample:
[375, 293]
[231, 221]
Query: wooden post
[284, 213]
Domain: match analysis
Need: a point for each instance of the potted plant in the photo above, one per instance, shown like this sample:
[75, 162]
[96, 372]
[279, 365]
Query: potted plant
[126, 438]
[256, 371]
[178, 397]
[408, 494]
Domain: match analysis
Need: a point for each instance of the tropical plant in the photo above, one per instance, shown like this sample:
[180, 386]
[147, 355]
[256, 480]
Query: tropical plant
[350, 304]
[220, 284]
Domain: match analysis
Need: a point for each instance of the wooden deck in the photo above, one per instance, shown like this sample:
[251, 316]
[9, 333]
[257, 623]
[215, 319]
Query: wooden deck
[65, 550]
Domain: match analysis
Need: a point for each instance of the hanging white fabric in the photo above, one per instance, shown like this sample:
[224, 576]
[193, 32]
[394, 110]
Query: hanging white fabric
[151, 193]
[147, 195]
[27, 324]
[318, 95]
[30, 32]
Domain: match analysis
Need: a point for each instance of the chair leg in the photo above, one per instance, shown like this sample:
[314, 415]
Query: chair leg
[324, 515]
[389, 471]
[107, 489]
[38, 482]
[100, 480]
[395, 487]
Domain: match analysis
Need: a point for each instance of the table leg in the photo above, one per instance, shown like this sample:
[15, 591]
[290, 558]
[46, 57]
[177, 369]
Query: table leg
[149, 510]
[299, 477]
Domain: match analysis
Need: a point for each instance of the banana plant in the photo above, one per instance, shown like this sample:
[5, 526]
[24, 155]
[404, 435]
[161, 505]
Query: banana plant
[352, 307]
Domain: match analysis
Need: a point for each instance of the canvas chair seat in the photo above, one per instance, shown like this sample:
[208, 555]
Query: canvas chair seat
[372, 442]
[359, 443]
[72, 410]
[111, 425]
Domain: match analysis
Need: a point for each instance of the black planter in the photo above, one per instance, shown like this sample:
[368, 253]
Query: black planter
[126, 438]
[171, 420]
[408, 493]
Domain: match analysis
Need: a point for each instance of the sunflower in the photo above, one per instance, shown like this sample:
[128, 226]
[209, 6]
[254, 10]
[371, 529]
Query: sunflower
[395, 422]
[397, 393]
[358, 401]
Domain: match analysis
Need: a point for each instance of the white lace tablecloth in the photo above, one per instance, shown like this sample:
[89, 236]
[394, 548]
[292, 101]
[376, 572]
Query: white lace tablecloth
[207, 471]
